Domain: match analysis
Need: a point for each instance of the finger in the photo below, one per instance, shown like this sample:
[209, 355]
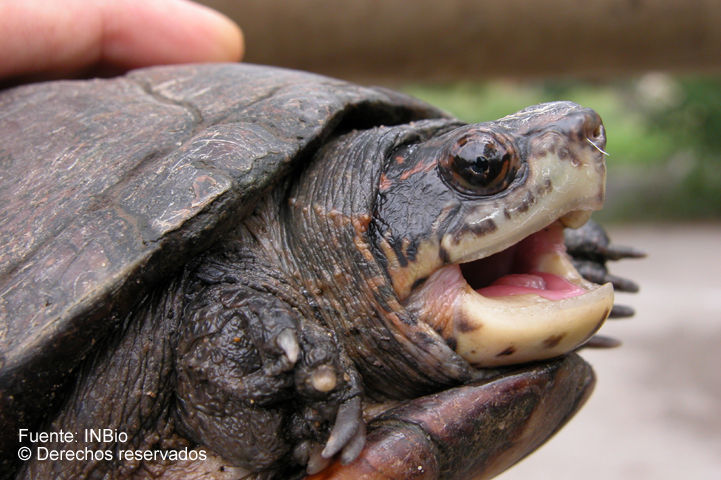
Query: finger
[142, 32]
[41, 36]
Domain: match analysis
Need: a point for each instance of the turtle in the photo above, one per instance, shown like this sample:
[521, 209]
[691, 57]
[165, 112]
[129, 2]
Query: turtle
[271, 271]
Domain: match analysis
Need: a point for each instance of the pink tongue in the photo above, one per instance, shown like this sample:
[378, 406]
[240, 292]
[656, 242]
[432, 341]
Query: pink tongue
[546, 285]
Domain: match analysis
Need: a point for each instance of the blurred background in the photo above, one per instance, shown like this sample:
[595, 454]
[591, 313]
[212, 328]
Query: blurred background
[652, 69]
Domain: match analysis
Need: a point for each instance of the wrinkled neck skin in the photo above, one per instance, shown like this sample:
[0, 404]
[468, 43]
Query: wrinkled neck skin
[328, 222]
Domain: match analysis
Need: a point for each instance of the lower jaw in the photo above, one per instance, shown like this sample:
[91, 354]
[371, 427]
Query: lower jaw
[514, 322]
[495, 331]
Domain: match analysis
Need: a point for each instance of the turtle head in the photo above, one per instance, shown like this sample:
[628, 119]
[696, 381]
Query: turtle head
[470, 224]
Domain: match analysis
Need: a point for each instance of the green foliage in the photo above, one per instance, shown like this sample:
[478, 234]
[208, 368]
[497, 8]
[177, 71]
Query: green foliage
[695, 116]
[664, 136]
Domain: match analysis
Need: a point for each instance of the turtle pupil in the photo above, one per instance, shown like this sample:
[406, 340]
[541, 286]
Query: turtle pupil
[480, 166]
[484, 170]
[481, 169]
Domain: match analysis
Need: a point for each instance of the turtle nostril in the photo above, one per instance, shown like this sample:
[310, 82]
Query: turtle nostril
[594, 131]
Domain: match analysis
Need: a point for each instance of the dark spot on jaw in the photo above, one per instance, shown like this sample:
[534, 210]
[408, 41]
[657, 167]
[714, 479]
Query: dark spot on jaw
[553, 340]
[486, 226]
[547, 186]
[527, 202]
[545, 147]
[463, 325]
[575, 160]
[603, 319]
[506, 214]
[443, 255]
[524, 205]
[563, 153]
[509, 351]
[478, 229]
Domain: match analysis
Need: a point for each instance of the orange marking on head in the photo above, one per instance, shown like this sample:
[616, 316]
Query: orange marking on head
[361, 222]
[338, 218]
[420, 167]
[384, 184]
[363, 248]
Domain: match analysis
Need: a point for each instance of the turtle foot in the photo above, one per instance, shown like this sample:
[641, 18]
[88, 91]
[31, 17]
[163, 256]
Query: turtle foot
[590, 250]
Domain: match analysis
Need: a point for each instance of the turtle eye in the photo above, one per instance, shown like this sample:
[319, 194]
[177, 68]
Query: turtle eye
[479, 165]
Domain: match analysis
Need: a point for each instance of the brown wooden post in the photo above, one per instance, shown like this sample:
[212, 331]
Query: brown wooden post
[382, 40]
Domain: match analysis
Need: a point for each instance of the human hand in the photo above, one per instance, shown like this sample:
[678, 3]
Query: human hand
[45, 39]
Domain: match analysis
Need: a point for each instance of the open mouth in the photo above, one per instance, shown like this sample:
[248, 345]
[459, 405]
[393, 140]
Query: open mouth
[524, 303]
[537, 265]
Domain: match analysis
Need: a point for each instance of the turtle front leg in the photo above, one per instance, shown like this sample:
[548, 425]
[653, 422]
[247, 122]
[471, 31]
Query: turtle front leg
[330, 387]
[474, 431]
[260, 385]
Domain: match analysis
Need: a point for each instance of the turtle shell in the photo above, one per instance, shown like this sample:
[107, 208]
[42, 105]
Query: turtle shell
[111, 185]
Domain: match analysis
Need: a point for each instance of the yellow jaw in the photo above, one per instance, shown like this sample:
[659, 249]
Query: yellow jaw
[520, 317]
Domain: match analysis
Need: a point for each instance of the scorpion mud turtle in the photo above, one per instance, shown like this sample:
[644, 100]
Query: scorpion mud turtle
[217, 269]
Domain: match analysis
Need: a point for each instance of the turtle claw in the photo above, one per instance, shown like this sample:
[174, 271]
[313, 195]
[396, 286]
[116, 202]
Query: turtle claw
[596, 272]
[288, 342]
[344, 432]
[316, 462]
[348, 437]
[354, 447]
[602, 341]
[619, 252]
[621, 284]
[621, 311]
